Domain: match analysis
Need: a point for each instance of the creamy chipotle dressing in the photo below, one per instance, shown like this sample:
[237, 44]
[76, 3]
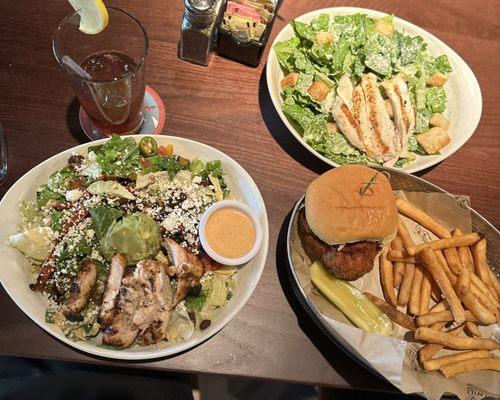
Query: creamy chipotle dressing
[230, 233]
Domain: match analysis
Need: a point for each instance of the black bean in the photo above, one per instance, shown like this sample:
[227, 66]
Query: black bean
[205, 324]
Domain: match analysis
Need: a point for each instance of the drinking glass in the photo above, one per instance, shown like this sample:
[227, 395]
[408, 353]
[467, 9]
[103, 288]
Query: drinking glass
[111, 86]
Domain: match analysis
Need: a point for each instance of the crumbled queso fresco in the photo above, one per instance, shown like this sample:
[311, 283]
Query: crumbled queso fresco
[178, 206]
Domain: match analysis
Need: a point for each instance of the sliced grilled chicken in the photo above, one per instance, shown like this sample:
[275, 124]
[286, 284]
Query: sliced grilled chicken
[162, 293]
[404, 112]
[116, 271]
[122, 331]
[80, 291]
[381, 127]
[345, 89]
[187, 267]
[347, 123]
[343, 115]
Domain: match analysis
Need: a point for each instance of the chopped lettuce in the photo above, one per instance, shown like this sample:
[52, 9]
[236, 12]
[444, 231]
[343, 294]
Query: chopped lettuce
[357, 49]
[118, 157]
[436, 99]
[44, 195]
[102, 218]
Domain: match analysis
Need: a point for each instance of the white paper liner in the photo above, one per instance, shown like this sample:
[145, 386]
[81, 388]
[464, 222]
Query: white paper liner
[394, 357]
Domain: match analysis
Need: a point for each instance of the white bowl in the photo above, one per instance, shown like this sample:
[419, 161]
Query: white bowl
[15, 276]
[462, 90]
[247, 211]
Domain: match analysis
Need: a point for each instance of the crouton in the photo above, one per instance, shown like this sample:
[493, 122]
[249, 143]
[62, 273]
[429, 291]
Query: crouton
[388, 107]
[332, 128]
[289, 80]
[438, 79]
[324, 37]
[439, 120]
[318, 90]
[434, 139]
[384, 27]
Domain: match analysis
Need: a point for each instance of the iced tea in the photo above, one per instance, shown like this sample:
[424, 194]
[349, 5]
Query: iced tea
[114, 99]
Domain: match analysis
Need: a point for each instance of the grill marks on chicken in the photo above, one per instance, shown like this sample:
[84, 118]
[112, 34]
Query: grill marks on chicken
[138, 301]
[363, 118]
[114, 281]
[186, 266]
[404, 113]
[143, 306]
[80, 291]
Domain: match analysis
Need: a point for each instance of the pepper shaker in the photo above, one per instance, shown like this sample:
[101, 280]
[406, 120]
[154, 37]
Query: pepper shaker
[198, 31]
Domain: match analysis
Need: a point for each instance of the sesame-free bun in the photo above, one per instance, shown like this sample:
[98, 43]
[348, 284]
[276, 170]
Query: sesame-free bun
[338, 213]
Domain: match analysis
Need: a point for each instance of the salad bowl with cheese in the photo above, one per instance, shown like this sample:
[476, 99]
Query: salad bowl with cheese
[103, 251]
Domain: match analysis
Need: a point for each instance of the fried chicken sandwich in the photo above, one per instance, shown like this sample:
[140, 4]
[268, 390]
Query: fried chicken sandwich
[350, 213]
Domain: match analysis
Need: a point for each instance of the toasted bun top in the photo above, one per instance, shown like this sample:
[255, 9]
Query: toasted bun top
[338, 213]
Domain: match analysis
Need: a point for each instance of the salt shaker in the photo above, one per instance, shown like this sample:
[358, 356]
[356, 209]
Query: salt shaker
[198, 31]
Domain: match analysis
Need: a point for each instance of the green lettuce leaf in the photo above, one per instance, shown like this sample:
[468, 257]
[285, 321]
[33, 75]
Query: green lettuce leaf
[45, 195]
[321, 23]
[284, 51]
[102, 218]
[436, 99]
[304, 31]
[118, 157]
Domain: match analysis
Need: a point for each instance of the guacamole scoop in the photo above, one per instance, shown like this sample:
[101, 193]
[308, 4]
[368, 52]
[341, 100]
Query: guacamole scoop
[136, 235]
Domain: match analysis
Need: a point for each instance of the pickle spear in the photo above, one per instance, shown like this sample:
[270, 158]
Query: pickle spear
[354, 304]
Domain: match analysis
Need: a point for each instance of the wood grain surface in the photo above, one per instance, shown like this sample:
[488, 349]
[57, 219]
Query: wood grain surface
[227, 105]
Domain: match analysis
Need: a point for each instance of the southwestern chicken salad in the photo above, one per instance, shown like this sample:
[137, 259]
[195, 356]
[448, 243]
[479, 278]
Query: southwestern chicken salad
[360, 91]
[112, 239]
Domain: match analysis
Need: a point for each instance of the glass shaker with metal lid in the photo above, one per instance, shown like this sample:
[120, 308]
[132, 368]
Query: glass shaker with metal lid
[198, 31]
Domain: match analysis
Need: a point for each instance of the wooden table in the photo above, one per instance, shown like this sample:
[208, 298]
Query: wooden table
[228, 106]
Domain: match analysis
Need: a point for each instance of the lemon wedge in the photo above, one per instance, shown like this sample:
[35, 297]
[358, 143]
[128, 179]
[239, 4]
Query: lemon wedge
[94, 17]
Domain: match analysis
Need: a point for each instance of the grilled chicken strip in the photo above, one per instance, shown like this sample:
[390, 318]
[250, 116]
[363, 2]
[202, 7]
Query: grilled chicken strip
[143, 306]
[187, 267]
[404, 112]
[381, 127]
[163, 297]
[116, 272]
[122, 331]
[80, 291]
[343, 113]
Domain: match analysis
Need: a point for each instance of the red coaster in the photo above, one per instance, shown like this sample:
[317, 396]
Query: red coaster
[154, 117]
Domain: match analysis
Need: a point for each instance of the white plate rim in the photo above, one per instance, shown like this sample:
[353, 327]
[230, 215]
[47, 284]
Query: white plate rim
[430, 160]
[178, 347]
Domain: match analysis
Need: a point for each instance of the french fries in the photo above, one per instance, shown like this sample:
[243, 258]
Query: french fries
[441, 316]
[452, 342]
[413, 212]
[404, 288]
[430, 262]
[399, 267]
[440, 244]
[452, 271]
[481, 266]
[399, 256]
[425, 293]
[405, 235]
[426, 352]
[414, 300]
[476, 308]
[437, 363]
[472, 328]
[452, 259]
[386, 278]
[462, 287]
[397, 316]
[475, 364]
[464, 253]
